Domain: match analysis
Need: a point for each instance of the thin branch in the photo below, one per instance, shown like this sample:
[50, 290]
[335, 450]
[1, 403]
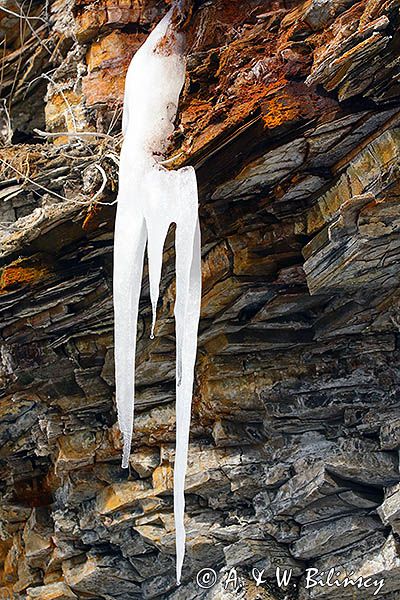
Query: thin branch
[3, 64]
[47, 134]
[170, 160]
[103, 185]
[42, 187]
[113, 157]
[8, 122]
[32, 81]
[32, 181]
[21, 16]
[117, 111]
[35, 34]
[22, 39]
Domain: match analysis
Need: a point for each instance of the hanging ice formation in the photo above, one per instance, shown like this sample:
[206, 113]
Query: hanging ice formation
[150, 198]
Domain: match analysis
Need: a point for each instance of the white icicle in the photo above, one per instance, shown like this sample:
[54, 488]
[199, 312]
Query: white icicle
[150, 198]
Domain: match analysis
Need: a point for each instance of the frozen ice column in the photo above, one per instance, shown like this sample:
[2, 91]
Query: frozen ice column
[150, 198]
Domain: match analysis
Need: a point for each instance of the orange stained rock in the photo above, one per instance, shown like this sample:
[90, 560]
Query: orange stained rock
[196, 110]
[93, 17]
[105, 86]
[110, 445]
[280, 104]
[89, 22]
[281, 109]
[108, 59]
[162, 479]
[20, 273]
[65, 112]
[10, 567]
[117, 47]
[5, 546]
[122, 495]
[76, 450]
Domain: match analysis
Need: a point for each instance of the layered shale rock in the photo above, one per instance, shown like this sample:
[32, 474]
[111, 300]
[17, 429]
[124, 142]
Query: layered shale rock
[290, 114]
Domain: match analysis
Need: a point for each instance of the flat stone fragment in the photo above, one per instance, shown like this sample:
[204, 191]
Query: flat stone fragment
[52, 591]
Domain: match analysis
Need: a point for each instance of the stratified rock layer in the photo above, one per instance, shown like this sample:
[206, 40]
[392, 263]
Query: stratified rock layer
[290, 115]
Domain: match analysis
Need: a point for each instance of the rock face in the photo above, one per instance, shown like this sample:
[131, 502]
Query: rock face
[290, 115]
